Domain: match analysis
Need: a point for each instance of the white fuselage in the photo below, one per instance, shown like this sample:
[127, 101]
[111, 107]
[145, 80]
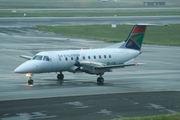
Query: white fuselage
[58, 61]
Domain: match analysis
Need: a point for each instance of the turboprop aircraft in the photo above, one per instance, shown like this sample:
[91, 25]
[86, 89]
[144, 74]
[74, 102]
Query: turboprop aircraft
[91, 61]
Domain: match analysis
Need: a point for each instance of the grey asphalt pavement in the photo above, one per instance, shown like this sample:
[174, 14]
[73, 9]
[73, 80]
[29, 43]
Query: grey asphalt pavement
[149, 89]
[33, 21]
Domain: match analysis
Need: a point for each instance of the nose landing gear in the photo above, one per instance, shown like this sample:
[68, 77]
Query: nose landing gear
[30, 81]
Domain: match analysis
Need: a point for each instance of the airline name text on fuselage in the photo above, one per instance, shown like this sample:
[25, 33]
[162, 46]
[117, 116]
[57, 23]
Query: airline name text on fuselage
[69, 55]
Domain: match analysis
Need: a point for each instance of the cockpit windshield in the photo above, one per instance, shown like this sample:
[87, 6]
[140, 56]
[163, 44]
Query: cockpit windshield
[46, 58]
[38, 57]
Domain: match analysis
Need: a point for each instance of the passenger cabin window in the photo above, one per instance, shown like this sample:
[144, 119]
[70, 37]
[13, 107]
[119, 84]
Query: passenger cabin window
[104, 56]
[94, 57]
[99, 56]
[71, 58]
[46, 58]
[89, 57]
[84, 57]
[66, 58]
[77, 58]
[109, 56]
[38, 57]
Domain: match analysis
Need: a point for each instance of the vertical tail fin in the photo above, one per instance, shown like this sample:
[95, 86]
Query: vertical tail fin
[135, 38]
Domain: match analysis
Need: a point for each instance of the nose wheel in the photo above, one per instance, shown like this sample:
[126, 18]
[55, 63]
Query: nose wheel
[60, 76]
[30, 82]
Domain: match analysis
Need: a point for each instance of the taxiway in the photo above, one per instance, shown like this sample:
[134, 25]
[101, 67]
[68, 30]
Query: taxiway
[53, 21]
[149, 89]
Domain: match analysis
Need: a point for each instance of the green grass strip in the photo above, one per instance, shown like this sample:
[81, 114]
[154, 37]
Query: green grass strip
[154, 35]
[158, 117]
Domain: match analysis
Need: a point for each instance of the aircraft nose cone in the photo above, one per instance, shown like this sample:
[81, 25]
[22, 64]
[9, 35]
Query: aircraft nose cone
[18, 70]
[21, 69]
[28, 67]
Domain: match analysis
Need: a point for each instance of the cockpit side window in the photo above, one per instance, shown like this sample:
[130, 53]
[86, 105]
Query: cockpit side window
[38, 57]
[46, 58]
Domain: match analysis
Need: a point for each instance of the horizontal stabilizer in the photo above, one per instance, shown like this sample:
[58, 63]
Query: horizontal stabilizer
[25, 57]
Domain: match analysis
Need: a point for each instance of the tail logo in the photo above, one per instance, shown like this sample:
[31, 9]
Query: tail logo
[136, 38]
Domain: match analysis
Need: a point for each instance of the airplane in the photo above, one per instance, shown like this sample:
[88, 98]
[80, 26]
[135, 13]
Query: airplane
[91, 61]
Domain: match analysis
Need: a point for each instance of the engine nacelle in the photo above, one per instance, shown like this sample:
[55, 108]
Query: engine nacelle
[88, 67]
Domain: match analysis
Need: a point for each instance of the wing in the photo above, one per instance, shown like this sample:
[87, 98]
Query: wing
[25, 57]
[116, 66]
[102, 66]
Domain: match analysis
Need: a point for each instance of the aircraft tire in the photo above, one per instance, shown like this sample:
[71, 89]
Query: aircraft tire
[60, 76]
[100, 80]
[30, 82]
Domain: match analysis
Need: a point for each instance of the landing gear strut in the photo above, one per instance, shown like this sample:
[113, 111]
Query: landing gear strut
[60, 76]
[100, 80]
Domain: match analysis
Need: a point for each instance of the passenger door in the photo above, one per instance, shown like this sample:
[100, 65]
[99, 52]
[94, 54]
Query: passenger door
[53, 60]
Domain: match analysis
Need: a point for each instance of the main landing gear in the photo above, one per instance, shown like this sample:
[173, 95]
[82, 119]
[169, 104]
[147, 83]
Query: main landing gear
[60, 76]
[100, 80]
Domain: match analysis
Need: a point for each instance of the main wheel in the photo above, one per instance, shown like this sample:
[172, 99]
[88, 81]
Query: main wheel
[30, 82]
[60, 76]
[100, 80]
